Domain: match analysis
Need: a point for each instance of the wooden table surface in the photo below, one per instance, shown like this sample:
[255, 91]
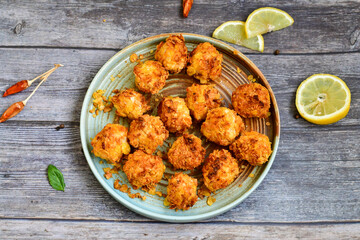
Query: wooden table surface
[312, 190]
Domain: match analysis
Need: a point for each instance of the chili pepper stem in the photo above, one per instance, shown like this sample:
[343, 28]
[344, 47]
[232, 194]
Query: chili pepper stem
[42, 75]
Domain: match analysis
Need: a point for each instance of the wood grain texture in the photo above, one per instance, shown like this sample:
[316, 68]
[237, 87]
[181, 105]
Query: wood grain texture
[320, 26]
[23, 229]
[314, 178]
[60, 98]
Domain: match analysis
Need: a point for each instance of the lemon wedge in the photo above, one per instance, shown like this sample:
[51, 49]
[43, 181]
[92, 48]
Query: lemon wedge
[267, 19]
[234, 32]
[323, 99]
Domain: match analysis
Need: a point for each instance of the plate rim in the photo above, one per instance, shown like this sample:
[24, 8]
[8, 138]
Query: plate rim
[160, 216]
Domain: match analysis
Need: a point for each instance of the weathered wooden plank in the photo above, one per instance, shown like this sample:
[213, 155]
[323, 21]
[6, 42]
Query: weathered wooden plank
[23, 229]
[60, 98]
[320, 26]
[315, 177]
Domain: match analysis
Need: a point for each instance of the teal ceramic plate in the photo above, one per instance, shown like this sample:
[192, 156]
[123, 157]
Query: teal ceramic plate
[236, 71]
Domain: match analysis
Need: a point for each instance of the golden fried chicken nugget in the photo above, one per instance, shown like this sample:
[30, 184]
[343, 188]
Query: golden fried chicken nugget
[129, 103]
[220, 170]
[150, 76]
[172, 53]
[222, 126]
[251, 100]
[143, 170]
[181, 191]
[205, 63]
[186, 152]
[175, 114]
[111, 143]
[253, 147]
[147, 133]
[201, 98]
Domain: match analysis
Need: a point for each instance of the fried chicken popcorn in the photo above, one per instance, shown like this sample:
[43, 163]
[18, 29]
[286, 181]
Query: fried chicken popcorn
[175, 114]
[186, 152]
[253, 147]
[150, 76]
[220, 170]
[205, 63]
[143, 170]
[147, 133]
[222, 126]
[129, 103]
[181, 191]
[111, 143]
[172, 53]
[251, 100]
[201, 98]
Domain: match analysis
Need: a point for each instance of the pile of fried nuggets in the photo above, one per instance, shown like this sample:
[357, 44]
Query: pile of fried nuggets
[203, 102]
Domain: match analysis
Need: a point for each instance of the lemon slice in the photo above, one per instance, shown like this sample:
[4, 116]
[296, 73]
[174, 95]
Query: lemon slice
[323, 99]
[265, 20]
[234, 32]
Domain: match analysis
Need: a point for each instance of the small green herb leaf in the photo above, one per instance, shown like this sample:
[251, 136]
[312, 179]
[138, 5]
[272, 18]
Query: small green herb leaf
[56, 179]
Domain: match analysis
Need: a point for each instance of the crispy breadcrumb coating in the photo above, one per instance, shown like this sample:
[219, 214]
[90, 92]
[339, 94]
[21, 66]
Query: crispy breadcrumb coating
[175, 114]
[205, 63]
[220, 170]
[222, 126]
[186, 152]
[129, 103]
[150, 76]
[172, 53]
[147, 133]
[144, 170]
[251, 100]
[201, 98]
[253, 147]
[111, 143]
[181, 191]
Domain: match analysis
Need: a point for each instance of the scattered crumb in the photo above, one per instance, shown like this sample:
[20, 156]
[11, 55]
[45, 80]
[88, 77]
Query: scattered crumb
[240, 185]
[166, 203]
[236, 52]
[61, 126]
[104, 20]
[151, 51]
[238, 70]
[160, 194]
[94, 115]
[92, 110]
[118, 75]
[250, 77]
[297, 116]
[267, 124]
[210, 200]
[143, 198]
[133, 57]
[101, 162]
[251, 175]
[243, 166]
[108, 175]
[141, 57]
[115, 91]
[277, 52]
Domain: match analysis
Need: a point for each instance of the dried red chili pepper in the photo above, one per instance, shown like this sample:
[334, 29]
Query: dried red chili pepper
[17, 107]
[12, 111]
[24, 84]
[187, 4]
[17, 87]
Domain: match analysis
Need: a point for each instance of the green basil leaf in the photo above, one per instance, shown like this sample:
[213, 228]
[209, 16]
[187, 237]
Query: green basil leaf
[56, 179]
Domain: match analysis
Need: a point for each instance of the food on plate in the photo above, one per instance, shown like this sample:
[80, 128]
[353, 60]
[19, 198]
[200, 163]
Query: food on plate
[220, 170]
[266, 19]
[186, 152]
[172, 53]
[175, 114]
[150, 76]
[205, 63]
[323, 99]
[251, 100]
[129, 103]
[253, 147]
[222, 126]
[111, 143]
[201, 98]
[143, 170]
[181, 191]
[187, 4]
[147, 133]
